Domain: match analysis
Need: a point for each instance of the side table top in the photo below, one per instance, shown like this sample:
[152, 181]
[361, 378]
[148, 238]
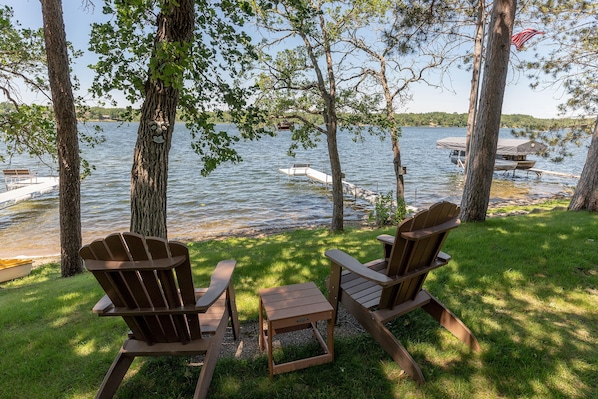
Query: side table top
[293, 301]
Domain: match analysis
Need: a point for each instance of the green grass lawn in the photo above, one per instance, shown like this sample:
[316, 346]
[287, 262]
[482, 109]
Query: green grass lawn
[527, 286]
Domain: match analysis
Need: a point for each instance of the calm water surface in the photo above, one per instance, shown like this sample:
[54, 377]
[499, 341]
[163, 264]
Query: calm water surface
[253, 195]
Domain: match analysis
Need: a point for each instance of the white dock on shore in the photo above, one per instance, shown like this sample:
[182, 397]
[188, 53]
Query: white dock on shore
[323, 178]
[42, 185]
[540, 172]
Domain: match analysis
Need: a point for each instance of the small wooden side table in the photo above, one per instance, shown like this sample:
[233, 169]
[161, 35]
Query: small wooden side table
[292, 308]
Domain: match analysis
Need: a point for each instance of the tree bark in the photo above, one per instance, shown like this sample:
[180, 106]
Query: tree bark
[330, 118]
[149, 174]
[586, 192]
[337, 223]
[331, 121]
[475, 75]
[480, 163]
[398, 167]
[395, 132]
[67, 137]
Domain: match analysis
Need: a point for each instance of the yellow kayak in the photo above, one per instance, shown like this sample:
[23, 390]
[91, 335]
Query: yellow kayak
[14, 268]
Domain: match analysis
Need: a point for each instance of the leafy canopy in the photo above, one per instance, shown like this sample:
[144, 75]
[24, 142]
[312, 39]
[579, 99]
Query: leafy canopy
[23, 128]
[205, 70]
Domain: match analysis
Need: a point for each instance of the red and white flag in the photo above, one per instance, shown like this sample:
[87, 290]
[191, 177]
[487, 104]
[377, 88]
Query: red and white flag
[520, 38]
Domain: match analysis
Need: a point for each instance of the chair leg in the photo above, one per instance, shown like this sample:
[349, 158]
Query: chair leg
[451, 322]
[209, 363]
[115, 375]
[333, 284]
[388, 342]
[232, 310]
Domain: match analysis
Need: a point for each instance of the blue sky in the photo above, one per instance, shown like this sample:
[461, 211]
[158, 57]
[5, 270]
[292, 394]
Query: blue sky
[519, 97]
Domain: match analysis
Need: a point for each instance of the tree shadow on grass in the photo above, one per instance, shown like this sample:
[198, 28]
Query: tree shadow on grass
[526, 286]
[529, 301]
[350, 376]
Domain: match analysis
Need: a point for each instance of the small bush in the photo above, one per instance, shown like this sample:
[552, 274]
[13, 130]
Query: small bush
[387, 211]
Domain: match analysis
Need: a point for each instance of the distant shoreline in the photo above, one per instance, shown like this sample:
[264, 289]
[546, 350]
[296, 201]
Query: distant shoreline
[426, 119]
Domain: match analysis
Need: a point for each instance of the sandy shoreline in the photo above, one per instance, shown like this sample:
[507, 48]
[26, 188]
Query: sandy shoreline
[265, 232]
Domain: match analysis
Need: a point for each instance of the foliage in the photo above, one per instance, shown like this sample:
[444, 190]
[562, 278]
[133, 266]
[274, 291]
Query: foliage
[531, 304]
[29, 128]
[565, 61]
[569, 55]
[24, 128]
[292, 80]
[206, 71]
[388, 210]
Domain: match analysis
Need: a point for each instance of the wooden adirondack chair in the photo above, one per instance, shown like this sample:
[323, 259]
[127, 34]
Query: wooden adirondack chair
[382, 290]
[148, 281]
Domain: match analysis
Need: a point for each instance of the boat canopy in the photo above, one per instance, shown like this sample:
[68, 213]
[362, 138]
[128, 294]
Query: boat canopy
[505, 146]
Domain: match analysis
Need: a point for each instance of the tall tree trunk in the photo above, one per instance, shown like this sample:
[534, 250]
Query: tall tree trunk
[337, 179]
[149, 173]
[586, 192]
[396, 161]
[395, 133]
[475, 75]
[480, 164]
[331, 120]
[66, 136]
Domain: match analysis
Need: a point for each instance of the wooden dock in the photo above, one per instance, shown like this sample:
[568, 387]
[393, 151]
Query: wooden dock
[42, 185]
[540, 172]
[323, 178]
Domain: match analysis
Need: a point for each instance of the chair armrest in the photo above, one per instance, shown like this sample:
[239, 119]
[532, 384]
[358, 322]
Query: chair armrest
[386, 239]
[221, 278]
[354, 266]
[444, 256]
[387, 243]
[103, 305]
[426, 232]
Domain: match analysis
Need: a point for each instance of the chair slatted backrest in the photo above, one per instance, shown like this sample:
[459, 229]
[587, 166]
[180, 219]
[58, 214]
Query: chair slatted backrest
[156, 298]
[417, 243]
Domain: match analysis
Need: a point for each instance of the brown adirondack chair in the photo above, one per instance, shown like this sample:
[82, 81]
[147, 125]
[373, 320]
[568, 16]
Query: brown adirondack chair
[382, 290]
[148, 281]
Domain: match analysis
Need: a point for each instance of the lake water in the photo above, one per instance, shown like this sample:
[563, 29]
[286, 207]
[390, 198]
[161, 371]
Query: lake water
[252, 195]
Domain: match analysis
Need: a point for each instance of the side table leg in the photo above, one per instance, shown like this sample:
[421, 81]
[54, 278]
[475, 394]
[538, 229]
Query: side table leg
[330, 337]
[270, 358]
[261, 325]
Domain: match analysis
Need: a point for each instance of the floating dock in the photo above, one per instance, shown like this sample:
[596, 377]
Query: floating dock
[41, 186]
[323, 178]
[540, 172]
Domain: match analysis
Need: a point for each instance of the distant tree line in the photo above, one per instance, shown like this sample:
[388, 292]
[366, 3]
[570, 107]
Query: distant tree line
[443, 119]
[434, 119]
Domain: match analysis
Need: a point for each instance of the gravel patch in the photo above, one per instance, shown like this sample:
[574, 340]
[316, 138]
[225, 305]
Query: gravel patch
[247, 346]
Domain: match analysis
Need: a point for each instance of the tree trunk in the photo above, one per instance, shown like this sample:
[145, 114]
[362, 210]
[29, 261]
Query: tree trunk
[149, 173]
[475, 75]
[66, 136]
[395, 132]
[330, 119]
[337, 177]
[586, 192]
[396, 160]
[480, 163]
